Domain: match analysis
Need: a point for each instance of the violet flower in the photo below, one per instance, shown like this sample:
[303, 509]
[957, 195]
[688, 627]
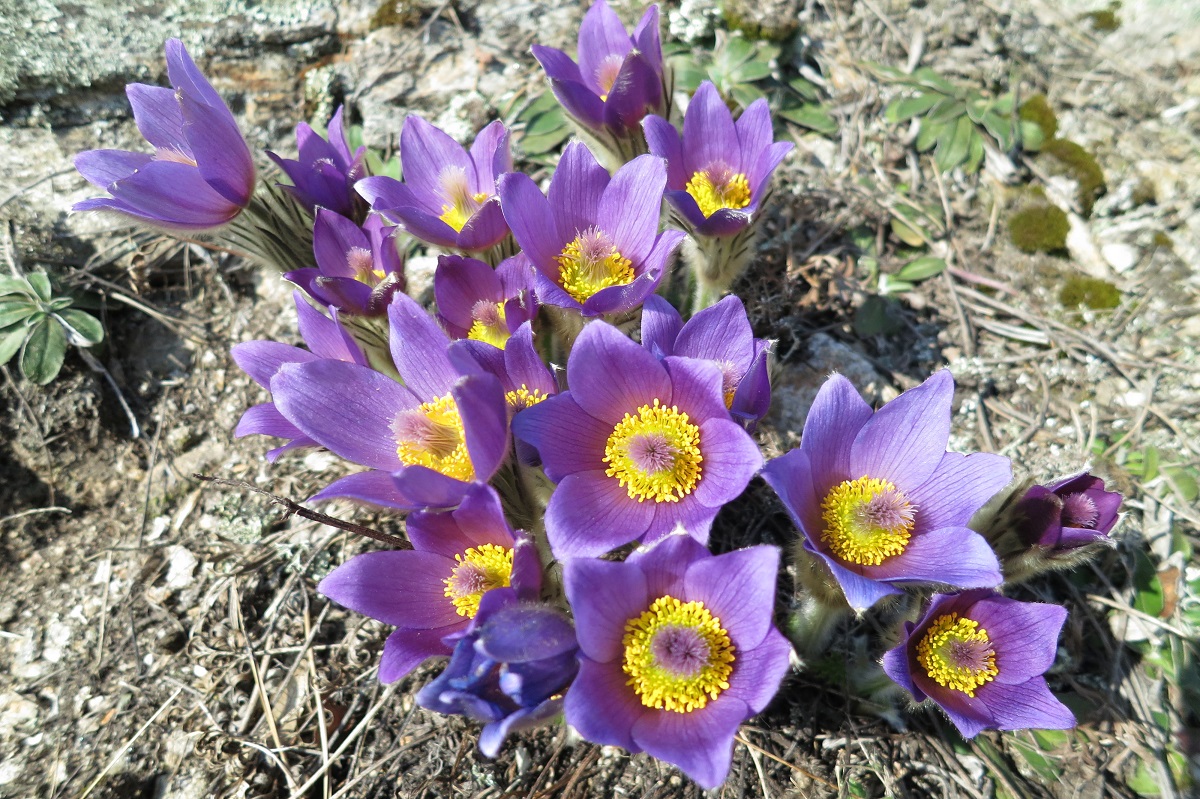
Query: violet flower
[720, 170]
[981, 657]
[1068, 514]
[358, 269]
[878, 497]
[509, 668]
[637, 446]
[448, 197]
[595, 240]
[435, 590]
[677, 649]
[201, 174]
[521, 371]
[326, 339]
[477, 302]
[720, 334]
[324, 174]
[425, 441]
[618, 81]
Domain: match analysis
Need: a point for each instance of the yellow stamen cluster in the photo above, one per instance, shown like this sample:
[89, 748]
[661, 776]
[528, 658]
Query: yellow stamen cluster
[935, 654]
[585, 268]
[524, 397]
[496, 333]
[457, 213]
[849, 531]
[676, 449]
[443, 448]
[726, 191]
[658, 687]
[477, 571]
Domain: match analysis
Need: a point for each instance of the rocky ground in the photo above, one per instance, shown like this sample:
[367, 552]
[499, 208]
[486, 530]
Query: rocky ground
[161, 638]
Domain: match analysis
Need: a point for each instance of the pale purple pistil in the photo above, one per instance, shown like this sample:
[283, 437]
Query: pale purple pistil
[415, 427]
[486, 313]
[651, 453]
[359, 260]
[888, 510]
[971, 655]
[1079, 510]
[680, 651]
[468, 578]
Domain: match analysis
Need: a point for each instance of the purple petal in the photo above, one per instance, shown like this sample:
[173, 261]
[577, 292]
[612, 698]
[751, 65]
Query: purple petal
[567, 439]
[752, 399]
[861, 592]
[461, 282]
[956, 556]
[481, 404]
[105, 167]
[590, 514]
[426, 226]
[637, 91]
[346, 408]
[575, 192]
[837, 415]
[602, 707]
[601, 35]
[631, 205]
[426, 153]
[662, 139]
[719, 333]
[324, 335]
[646, 37]
[661, 324]
[523, 364]
[347, 293]
[689, 513]
[708, 132]
[699, 742]
[1029, 705]
[1025, 635]
[485, 227]
[959, 487]
[418, 348]
[491, 156]
[404, 650]
[791, 477]
[739, 589]
[403, 588]
[334, 236]
[895, 665]
[158, 116]
[527, 212]
[266, 420]
[427, 488]
[174, 194]
[188, 79]
[604, 596]
[761, 173]
[686, 205]
[731, 458]
[262, 359]
[372, 487]
[577, 99]
[758, 672]
[696, 388]
[754, 136]
[906, 439]
[665, 565]
[725, 222]
[619, 299]
[220, 152]
[385, 194]
[610, 375]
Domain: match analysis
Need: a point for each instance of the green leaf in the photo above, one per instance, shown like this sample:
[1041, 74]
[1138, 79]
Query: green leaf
[1149, 463]
[928, 135]
[1148, 596]
[1032, 137]
[43, 354]
[1050, 740]
[1044, 766]
[752, 71]
[812, 116]
[41, 284]
[745, 94]
[14, 285]
[905, 108]
[1000, 127]
[946, 110]
[689, 74]
[58, 303]
[876, 316]
[84, 330]
[1183, 480]
[921, 269]
[975, 152]
[954, 146]
[16, 311]
[925, 76]
[10, 342]
[545, 122]
[805, 88]
[909, 233]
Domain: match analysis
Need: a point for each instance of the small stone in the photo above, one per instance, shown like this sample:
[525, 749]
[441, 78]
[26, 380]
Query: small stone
[1121, 257]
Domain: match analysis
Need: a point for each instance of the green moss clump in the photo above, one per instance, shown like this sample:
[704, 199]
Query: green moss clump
[1039, 228]
[1089, 292]
[1038, 111]
[395, 14]
[1080, 166]
[1163, 240]
[768, 20]
[1105, 20]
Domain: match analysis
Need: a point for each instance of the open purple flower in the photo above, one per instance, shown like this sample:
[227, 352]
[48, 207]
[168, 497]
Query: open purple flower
[435, 590]
[618, 80]
[677, 649]
[326, 339]
[637, 446]
[358, 269]
[324, 174]
[483, 304]
[448, 197]
[878, 497]
[721, 334]
[1068, 514]
[425, 441]
[508, 670]
[201, 174]
[720, 170]
[981, 657]
[595, 240]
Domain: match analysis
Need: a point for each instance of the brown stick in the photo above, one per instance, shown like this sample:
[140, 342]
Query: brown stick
[295, 509]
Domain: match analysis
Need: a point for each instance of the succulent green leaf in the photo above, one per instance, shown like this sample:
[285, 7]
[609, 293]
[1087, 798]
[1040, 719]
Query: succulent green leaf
[83, 329]
[1183, 480]
[14, 285]
[744, 94]
[42, 357]
[909, 232]
[947, 109]
[10, 341]
[925, 76]
[58, 303]
[905, 108]
[812, 116]
[1001, 129]
[954, 146]
[921, 269]
[927, 137]
[41, 285]
[975, 152]
[16, 311]
[805, 88]
[1032, 137]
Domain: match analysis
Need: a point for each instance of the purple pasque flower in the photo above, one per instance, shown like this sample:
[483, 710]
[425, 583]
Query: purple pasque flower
[594, 241]
[1068, 514]
[720, 170]
[721, 334]
[619, 78]
[878, 497]
[477, 302]
[324, 174]
[522, 373]
[425, 440]
[509, 668]
[448, 197]
[435, 589]
[201, 174]
[358, 269]
[981, 657]
[326, 339]
[637, 446]
[677, 649]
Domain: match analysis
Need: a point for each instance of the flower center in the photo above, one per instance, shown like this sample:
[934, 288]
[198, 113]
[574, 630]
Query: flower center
[655, 454]
[524, 397]
[362, 264]
[591, 262]
[489, 325]
[957, 654]
[477, 571]
[432, 436]
[867, 521]
[731, 378]
[719, 187]
[606, 74]
[1079, 510]
[677, 655]
[461, 203]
